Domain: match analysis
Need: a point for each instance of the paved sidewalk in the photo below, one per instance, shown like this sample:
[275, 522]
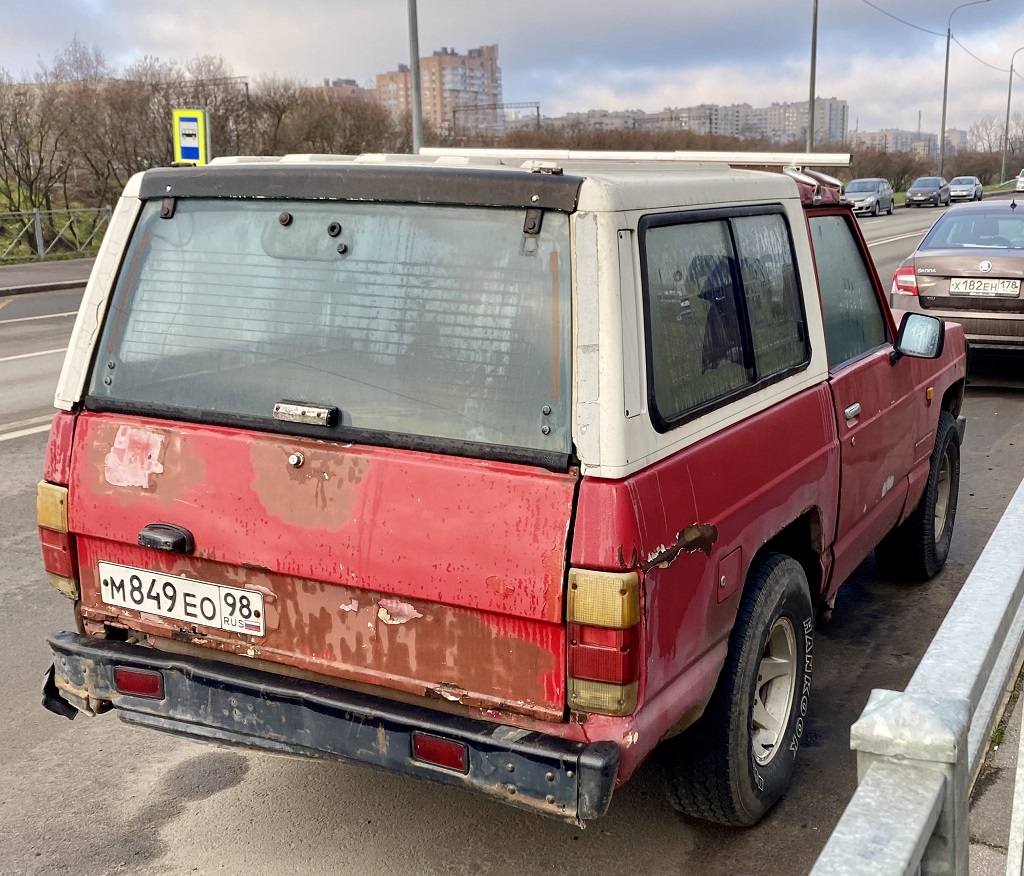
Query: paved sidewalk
[44, 276]
[992, 800]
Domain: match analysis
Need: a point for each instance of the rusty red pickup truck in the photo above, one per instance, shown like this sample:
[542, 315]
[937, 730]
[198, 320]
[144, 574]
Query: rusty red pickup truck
[504, 470]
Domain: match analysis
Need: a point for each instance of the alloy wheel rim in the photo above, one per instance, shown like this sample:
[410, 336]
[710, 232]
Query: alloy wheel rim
[942, 491]
[773, 692]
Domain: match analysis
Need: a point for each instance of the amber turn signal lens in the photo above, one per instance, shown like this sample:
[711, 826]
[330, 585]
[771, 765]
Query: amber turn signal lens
[52, 506]
[603, 599]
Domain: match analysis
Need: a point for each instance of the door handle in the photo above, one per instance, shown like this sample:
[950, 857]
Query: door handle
[167, 537]
[853, 411]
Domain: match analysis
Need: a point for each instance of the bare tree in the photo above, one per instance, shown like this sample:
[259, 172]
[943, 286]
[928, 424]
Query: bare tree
[985, 135]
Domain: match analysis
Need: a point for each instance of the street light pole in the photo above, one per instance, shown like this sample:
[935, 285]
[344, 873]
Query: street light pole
[414, 80]
[945, 83]
[1006, 130]
[810, 100]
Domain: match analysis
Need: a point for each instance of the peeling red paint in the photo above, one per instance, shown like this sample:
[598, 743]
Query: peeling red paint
[134, 458]
[394, 611]
[377, 566]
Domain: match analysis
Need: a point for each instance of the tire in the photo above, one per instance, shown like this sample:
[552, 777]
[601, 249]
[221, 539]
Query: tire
[981, 195]
[917, 549]
[736, 761]
[892, 207]
[875, 210]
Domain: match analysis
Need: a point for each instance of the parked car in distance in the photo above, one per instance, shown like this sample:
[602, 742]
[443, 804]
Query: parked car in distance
[969, 268]
[1020, 181]
[933, 190]
[869, 195]
[965, 188]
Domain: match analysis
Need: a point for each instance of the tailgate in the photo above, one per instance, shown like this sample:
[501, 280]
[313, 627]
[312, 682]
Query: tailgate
[428, 574]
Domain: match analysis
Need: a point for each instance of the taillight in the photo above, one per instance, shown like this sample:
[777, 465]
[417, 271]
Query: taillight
[904, 281]
[58, 547]
[52, 507]
[603, 615]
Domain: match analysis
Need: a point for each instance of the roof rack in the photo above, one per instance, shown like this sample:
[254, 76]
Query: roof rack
[798, 160]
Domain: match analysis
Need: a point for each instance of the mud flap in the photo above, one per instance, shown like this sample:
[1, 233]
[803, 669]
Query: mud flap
[52, 700]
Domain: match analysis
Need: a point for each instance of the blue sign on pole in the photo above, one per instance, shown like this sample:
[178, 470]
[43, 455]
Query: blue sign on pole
[190, 133]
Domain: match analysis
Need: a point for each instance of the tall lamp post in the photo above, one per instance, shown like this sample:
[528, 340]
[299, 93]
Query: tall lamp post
[945, 83]
[810, 100]
[1006, 130]
[414, 77]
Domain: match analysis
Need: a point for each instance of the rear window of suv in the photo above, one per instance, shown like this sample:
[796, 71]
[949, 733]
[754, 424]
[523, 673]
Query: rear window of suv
[438, 322]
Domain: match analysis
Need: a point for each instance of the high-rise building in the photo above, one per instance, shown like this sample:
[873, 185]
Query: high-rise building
[896, 140]
[459, 93]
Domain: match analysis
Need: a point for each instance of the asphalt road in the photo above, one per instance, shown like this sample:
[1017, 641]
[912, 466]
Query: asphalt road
[95, 797]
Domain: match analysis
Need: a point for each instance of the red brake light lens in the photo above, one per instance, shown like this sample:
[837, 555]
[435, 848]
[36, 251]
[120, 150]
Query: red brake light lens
[440, 752]
[904, 281]
[139, 682]
[598, 654]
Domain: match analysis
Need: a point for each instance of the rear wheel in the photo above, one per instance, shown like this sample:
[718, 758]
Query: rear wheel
[736, 761]
[917, 549]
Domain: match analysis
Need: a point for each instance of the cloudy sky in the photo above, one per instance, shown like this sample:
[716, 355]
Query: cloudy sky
[574, 55]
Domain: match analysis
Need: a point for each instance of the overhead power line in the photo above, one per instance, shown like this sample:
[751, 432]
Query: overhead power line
[900, 20]
[936, 33]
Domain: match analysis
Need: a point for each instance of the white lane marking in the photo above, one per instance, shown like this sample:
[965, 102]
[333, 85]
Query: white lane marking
[32, 421]
[30, 355]
[21, 433]
[894, 239]
[46, 316]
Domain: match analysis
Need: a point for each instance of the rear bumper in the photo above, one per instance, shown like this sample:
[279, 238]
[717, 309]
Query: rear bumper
[230, 705]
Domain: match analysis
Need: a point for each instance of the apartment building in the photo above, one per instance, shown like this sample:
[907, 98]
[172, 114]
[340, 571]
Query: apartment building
[459, 93]
[895, 140]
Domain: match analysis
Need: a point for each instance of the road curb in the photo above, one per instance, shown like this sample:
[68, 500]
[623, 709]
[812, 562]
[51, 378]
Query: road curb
[56, 286]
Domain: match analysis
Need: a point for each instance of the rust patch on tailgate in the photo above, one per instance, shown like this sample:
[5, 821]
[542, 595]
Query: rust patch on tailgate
[318, 493]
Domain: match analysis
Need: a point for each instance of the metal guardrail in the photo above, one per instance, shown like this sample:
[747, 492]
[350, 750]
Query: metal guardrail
[40, 233]
[919, 751]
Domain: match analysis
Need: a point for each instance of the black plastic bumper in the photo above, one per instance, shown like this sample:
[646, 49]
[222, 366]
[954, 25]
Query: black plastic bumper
[227, 704]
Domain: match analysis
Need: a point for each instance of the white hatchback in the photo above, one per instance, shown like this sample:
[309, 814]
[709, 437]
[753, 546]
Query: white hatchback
[1020, 181]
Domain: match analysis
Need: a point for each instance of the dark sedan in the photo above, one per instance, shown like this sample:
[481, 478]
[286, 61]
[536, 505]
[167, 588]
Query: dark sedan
[933, 190]
[969, 269]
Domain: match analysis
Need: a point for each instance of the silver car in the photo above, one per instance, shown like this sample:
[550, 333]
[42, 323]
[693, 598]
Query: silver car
[869, 195]
[965, 188]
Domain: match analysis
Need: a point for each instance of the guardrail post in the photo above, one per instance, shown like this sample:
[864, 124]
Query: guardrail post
[927, 732]
[40, 247]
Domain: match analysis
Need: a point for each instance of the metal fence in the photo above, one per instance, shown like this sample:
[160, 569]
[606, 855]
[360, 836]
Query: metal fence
[919, 751]
[41, 233]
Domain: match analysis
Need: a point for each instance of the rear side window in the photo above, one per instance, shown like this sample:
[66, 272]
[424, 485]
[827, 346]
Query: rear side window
[723, 308]
[429, 321]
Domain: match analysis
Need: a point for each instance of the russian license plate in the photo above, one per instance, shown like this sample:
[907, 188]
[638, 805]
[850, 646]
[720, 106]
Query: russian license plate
[183, 599]
[993, 287]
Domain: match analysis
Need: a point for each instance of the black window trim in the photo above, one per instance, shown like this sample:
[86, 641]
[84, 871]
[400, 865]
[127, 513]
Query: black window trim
[660, 220]
[553, 460]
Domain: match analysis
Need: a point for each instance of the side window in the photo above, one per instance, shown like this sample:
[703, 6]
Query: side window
[853, 317]
[723, 308]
